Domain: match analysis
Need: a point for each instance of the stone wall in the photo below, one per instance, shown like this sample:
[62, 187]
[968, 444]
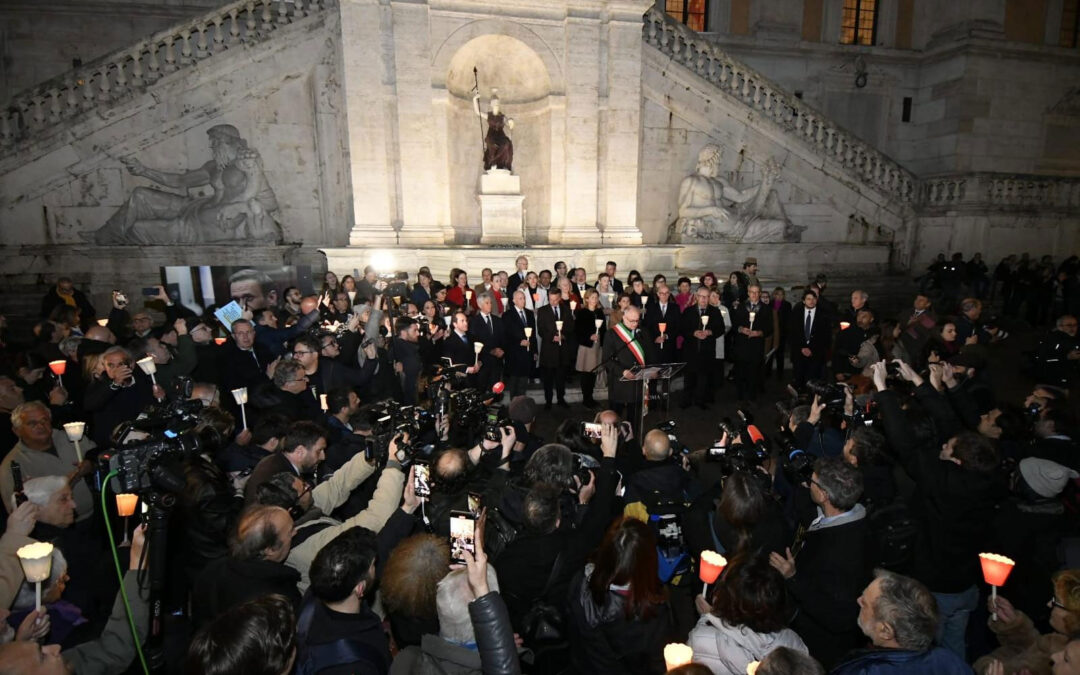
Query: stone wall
[284, 96]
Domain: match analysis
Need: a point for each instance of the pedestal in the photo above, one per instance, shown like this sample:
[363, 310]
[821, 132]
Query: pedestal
[502, 212]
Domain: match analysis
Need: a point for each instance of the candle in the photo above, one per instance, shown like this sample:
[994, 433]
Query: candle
[468, 295]
[704, 320]
[677, 654]
[322, 403]
[662, 327]
[447, 319]
[477, 348]
[505, 302]
[710, 566]
[573, 305]
[58, 367]
[147, 365]
[75, 431]
[844, 325]
[36, 561]
[219, 341]
[752, 316]
[751, 668]
[241, 397]
[125, 504]
[644, 300]
[610, 297]
[528, 336]
[598, 323]
[352, 297]
[103, 322]
[558, 327]
[996, 569]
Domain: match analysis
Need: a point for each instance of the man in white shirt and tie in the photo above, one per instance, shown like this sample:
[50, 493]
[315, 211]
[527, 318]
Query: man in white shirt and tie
[810, 336]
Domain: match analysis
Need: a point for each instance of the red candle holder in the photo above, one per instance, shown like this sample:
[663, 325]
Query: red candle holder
[219, 341]
[995, 568]
[710, 566]
[58, 367]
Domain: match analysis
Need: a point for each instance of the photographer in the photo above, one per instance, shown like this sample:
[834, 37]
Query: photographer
[405, 353]
[971, 329]
[958, 488]
[540, 561]
[326, 374]
[168, 366]
[118, 395]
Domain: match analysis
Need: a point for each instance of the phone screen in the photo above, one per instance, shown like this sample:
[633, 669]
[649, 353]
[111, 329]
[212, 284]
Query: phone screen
[462, 535]
[422, 480]
[590, 430]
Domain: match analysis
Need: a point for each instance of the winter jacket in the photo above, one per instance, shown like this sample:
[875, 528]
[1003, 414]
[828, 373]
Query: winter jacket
[494, 654]
[937, 661]
[227, 582]
[604, 641]
[1022, 646]
[727, 649]
[315, 534]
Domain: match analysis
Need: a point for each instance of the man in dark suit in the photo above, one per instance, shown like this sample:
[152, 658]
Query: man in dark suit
[663, 311]
[487, 329]
[557, 350]
[610, 269]
[518, 278]
[243, 360]
[809, 335]
[626, 346]
[458, 346]
[520, 350]
[579, 284]
[700, 325]
[752, 321]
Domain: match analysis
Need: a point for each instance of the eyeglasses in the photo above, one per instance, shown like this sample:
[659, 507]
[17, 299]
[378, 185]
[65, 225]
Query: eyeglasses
[301, 353]
[328, 345]
[1054, 603]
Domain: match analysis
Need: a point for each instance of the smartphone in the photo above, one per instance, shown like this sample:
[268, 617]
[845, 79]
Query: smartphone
[462, 535]
[422, 480]
[149, 291]
[590, 429]
[474, 503]
[17, 480]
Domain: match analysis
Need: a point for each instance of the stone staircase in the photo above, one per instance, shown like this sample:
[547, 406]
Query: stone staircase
[46, 110]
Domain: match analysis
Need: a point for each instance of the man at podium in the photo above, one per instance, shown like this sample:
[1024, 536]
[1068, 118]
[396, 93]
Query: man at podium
[627, 346]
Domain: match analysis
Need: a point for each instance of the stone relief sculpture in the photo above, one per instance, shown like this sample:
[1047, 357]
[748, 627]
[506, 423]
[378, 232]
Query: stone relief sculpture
[498, 148]
[242, 208]
[711, 208]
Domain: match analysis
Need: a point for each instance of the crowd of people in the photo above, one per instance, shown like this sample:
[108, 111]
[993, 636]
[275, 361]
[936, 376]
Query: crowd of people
[354, 481]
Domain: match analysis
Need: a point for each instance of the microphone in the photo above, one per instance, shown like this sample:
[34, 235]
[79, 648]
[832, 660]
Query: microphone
[755, 434]
[498, 388]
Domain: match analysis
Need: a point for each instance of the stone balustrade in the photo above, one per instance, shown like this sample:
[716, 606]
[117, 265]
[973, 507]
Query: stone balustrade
[708, 61]
[1000, 190]
[40, 112]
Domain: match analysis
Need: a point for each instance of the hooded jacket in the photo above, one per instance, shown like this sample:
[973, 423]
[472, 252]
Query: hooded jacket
[728, 649]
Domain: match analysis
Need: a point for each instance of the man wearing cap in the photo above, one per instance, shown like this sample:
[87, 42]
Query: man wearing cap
[749, 270]
[241, 206]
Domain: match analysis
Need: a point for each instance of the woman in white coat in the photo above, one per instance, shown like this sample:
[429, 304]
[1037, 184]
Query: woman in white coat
[745, 619]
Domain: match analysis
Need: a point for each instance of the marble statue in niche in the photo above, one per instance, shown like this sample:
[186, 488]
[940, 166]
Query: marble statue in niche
[242, 207]
[711, 208]
[498, 148]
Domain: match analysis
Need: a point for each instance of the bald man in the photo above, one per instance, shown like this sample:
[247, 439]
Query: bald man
[661, 478]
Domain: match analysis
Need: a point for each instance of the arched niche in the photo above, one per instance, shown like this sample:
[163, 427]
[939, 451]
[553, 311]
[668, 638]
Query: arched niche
[507, 62]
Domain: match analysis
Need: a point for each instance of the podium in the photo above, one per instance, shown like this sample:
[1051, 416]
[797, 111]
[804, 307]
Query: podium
[660, 372]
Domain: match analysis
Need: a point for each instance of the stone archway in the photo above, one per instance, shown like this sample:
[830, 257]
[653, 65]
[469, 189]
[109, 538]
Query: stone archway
[506, 61]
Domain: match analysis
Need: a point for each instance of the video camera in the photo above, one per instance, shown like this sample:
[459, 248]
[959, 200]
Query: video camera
[677, 446]
[151, 447]
[390, 421]
[746, 456]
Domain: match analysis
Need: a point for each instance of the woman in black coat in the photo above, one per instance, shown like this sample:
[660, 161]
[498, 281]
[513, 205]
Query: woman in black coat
[619, 616]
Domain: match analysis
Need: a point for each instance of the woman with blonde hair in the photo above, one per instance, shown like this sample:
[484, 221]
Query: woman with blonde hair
[1022, 648]
[590, 338]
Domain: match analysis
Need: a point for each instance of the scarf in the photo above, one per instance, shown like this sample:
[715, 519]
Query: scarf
[631, 342]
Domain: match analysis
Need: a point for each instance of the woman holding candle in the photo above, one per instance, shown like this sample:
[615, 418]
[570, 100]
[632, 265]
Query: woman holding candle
[1021, 645]
[619, 618]
[460, 293]
[745, 618]
[589, 329]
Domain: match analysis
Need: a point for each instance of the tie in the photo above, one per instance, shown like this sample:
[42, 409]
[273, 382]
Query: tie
[809, 321]
[522, 318]
[465, 339]
[487, 320]
[556, 312]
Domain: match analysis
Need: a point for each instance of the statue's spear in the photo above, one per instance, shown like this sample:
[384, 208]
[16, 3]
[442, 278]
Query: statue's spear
[476, 89]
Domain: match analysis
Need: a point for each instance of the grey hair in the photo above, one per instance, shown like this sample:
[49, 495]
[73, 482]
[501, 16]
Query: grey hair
[69, 346]
[20, 411]
[452, 598]
[841, 482]
[1061, 319]
[865, 296]
[285, 372]
[785, 660]
[40, 490]
[486, 295]
[26, 598]
[523, 294]
[909, 608]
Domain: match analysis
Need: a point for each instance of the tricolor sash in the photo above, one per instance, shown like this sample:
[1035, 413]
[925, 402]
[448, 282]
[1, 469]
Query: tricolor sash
[631, 343]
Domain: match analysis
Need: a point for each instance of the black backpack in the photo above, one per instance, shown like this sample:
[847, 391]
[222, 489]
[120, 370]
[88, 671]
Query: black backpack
[894, 533]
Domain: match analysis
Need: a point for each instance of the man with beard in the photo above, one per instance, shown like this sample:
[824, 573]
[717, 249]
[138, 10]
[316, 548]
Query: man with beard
[337, 630]
[241, 207]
